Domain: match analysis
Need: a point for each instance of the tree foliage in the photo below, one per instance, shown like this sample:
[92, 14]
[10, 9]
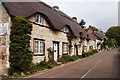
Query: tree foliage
[20, 54]
[82, 23]
[110, 43]
[114, 33]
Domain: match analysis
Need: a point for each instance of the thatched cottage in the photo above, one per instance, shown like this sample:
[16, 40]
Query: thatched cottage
[51, 28]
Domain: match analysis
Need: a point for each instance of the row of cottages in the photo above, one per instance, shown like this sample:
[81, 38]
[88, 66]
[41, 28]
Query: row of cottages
[51, 28]
[96, 36]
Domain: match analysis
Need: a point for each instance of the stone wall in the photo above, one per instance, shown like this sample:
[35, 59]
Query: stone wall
[49, 36]
[4, 44]
[76, 44]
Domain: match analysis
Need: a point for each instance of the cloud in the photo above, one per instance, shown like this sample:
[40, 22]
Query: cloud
[102, 14]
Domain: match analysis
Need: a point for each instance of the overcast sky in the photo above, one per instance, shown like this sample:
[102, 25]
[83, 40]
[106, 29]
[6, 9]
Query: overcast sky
[99, 13]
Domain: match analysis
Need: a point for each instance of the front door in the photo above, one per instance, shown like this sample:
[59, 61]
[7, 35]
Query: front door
[76, 49]
[56, 51]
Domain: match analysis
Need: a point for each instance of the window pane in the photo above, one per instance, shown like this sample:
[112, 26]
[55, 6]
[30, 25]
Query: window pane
[40, 19]
[65, 48]
[37, 18]
[41, 47]
[36, 46]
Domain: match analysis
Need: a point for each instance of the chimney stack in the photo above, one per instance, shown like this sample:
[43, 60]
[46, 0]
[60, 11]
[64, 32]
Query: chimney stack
[56, 8]
[74, 18]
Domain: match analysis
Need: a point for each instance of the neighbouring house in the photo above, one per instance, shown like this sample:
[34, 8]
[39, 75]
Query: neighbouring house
[51, 28]
[97, 37]
[101, 37]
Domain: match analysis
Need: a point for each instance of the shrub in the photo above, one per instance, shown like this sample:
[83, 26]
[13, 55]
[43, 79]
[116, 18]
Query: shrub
[95, 51]
[20, 54]
[50, 52]
[67, 58]
[43, 63]
[74, 57]
[80, 56]
[85, 54]
[64, 58]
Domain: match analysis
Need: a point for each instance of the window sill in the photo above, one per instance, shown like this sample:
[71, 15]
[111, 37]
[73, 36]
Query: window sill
[39, 54]
[65, 53]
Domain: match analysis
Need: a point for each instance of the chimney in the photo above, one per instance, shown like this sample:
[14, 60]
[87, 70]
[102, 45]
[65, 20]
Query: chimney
[56, 8]
[74, 18]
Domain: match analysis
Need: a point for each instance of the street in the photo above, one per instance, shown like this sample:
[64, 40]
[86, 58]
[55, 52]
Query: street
[100, 65]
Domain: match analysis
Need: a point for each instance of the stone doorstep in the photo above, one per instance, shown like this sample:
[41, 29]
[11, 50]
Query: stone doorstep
[59, 63]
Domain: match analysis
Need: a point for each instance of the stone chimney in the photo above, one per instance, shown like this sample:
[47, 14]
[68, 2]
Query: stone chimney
[74, 18]
[56, 8]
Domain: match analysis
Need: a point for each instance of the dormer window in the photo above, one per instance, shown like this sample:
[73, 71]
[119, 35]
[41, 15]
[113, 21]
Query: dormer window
[39, 19]
[66, 30]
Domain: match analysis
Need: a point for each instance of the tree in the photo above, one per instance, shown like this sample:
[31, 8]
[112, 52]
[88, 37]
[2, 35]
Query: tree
[114, 33]
[82, 23]
[20, 54]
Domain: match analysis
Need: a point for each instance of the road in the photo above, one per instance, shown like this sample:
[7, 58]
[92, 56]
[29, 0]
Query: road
[100, 65]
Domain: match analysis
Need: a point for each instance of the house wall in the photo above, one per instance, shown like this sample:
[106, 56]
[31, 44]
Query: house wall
[85, 45]
[4, 46]
[49, 36]
[38, 32]
[76, 41]
[98, 41]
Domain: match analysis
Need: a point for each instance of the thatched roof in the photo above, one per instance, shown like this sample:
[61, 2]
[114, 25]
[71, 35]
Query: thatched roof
[56, 19]
[100, 35]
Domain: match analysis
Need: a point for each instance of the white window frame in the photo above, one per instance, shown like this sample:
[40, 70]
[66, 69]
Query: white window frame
[65, 48]
[39, 19]
[40, 47]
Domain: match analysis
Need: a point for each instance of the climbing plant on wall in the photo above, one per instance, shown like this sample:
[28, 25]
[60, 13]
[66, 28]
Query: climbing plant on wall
[20, 54]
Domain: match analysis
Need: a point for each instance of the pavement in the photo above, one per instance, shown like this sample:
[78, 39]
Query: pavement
[100, 65]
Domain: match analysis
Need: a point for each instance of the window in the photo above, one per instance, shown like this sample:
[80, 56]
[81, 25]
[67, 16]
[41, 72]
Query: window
[66, 30]
[39, 47]
[65, 48]
[39, 19]
[85, 48]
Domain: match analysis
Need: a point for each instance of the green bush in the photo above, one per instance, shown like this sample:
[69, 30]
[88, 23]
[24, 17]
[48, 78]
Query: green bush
[95, 51]
[80, 56]
[43, 65]
[67, 58]
[64, 58]
[85, 54]
[74, 57]
[20, 54]
[50, 54]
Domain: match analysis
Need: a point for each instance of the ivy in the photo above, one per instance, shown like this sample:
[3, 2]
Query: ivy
[20, 54]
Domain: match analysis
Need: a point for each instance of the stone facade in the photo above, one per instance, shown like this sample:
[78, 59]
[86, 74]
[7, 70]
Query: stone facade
[77, 46]
[5, 23]
[49, 36]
